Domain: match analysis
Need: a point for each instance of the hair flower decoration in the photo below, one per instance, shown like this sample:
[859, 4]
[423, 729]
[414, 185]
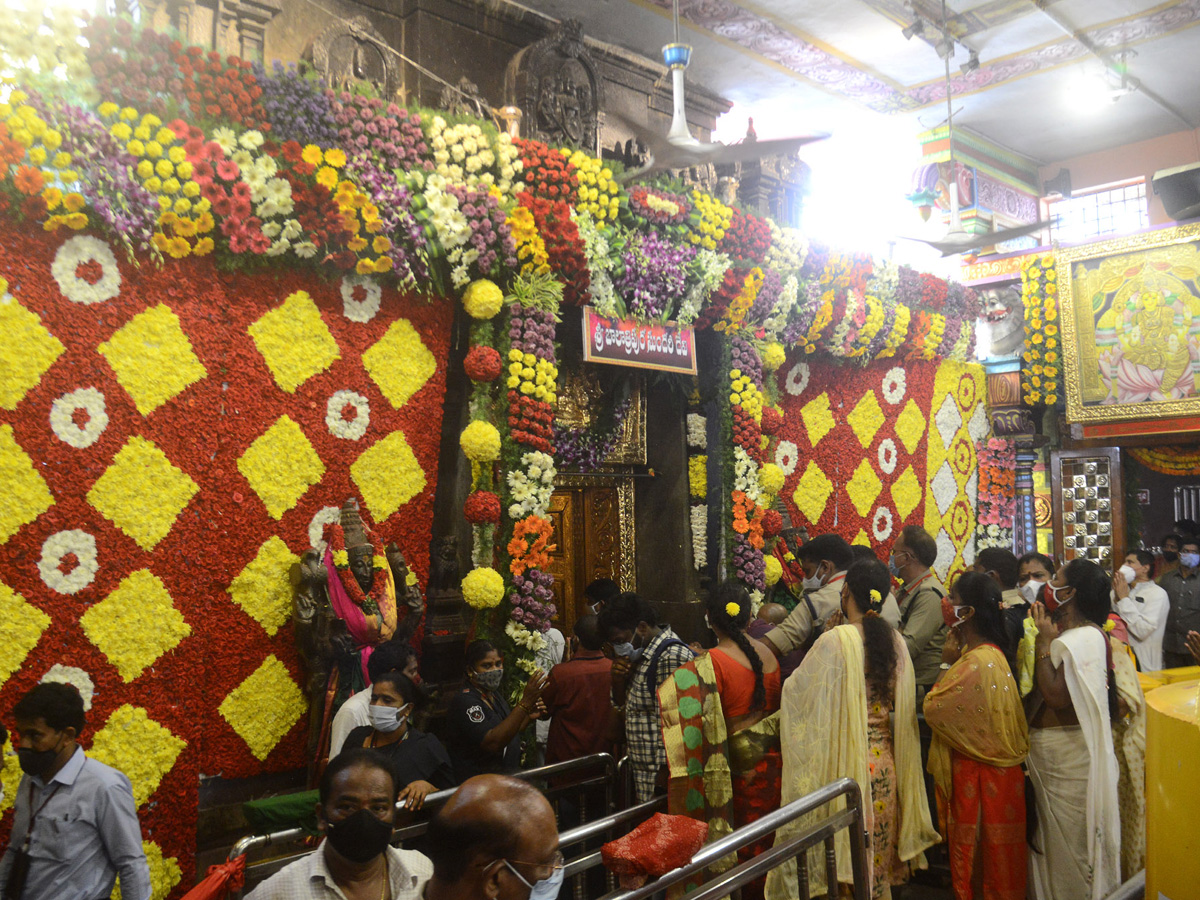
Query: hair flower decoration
[732, 609]
[876, 597]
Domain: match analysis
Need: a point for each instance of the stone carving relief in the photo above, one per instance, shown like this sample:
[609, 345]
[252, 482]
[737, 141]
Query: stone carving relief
[556, 84]
[464, 99]
[353, 50]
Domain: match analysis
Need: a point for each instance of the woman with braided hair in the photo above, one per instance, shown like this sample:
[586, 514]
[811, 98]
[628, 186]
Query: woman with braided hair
[729, 697]
[849, 711]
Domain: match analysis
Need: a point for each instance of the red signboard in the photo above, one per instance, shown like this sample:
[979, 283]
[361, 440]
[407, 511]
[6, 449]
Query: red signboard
[624, 342]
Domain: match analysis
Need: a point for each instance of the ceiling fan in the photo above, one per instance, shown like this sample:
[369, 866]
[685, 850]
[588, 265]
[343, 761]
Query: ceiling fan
[679, 149]
[957, 240]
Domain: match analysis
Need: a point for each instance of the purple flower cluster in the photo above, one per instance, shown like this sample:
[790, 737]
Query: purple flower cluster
[805, 313]
[106, 171]
[962, 301]
[533, 600]
[950, 336]
[814, 262]
[531, 330]
[909, 290]
[387, 132]
[491, 235]
[768, 295]
[297, 107]
[655, 275]
[749, 564]
[744, 357]
[395, 211]
[585, 448]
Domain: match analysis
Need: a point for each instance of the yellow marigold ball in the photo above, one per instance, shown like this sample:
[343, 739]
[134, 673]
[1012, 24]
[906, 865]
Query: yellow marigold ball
[770, 478]
[482, 299]
[483, 588]
[774, 569]
[773, 356]
[480, 441]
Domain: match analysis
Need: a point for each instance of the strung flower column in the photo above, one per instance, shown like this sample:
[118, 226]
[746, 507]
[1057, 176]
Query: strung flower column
[697, 441]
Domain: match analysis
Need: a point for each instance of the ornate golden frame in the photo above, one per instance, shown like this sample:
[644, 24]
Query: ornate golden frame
[1081, 362]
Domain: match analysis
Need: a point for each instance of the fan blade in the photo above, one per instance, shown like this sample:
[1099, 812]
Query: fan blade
[961, 242]
[748, 151]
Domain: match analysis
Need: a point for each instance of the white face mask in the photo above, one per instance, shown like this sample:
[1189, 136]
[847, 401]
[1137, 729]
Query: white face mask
[814, 583]
[1126, 572]
[1029, 590]
[386, 718]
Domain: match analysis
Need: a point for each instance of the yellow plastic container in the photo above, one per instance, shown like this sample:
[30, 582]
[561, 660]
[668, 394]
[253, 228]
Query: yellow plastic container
[1172, 810]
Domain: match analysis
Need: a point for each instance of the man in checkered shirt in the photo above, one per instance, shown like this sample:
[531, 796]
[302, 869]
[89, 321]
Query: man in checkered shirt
[644, 655]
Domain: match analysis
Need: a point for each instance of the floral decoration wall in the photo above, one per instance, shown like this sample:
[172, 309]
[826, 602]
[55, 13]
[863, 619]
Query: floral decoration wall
[171, 441]
[867, 451]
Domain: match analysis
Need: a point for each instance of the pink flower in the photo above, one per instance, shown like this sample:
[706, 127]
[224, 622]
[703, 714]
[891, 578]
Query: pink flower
[228, 169]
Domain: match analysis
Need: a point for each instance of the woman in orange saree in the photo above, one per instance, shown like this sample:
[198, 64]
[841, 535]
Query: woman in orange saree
[980, 740]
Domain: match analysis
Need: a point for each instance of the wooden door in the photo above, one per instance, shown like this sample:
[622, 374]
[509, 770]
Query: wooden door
[587, 536]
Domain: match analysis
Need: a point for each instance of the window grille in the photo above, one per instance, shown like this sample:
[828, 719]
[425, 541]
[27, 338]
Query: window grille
[1187, 502]
[1085, 216]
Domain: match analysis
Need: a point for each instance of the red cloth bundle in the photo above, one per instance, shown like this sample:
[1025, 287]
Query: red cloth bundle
[655, 847]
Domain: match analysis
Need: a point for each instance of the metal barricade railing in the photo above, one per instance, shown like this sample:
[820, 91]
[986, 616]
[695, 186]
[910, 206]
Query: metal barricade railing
[1133, 889]
[577, 866]
[608, 777]
[795, 847]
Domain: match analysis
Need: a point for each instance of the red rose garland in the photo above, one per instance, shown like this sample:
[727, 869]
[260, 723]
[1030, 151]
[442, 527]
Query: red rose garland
[747, 238]
[547, 173]
[564, 246]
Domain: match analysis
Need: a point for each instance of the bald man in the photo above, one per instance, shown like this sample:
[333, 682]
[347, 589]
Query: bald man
[495, 839]
[769, 616]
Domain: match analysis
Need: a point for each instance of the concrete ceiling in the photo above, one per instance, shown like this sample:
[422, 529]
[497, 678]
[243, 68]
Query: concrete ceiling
[802, 65]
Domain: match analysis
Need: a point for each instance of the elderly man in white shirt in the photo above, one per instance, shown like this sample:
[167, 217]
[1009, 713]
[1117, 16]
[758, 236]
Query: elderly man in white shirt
[1143, 606]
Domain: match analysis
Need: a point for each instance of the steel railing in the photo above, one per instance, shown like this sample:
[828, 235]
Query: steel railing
[610, 777]
[795, 847]
[1133, 889]
[576, 867]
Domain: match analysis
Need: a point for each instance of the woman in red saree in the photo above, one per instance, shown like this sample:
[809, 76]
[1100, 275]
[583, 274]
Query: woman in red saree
[980, 740]
[720, 726]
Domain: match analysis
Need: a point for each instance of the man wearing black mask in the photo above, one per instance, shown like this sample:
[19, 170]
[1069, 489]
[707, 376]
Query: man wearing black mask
[356, 810]
[76, 826]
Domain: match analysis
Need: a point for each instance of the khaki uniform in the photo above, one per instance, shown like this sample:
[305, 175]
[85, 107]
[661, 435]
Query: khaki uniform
[808, 617]
[922, 626]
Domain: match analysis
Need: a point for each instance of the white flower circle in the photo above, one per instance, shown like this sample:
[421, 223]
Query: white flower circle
[787, 454]
[881, 524]
[363, 310]
[78, 251]
[76, 549]
[888, 456]
[335, 415]
[326, 515]
[82, 681]
[90, 402]
[895, 385]
[797, 379]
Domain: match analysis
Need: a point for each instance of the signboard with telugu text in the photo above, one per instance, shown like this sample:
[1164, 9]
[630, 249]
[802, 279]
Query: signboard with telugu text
[624, 342]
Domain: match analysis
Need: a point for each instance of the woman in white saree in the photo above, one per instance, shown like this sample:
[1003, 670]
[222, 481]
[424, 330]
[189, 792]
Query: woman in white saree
[1076, 853]
[836, 720]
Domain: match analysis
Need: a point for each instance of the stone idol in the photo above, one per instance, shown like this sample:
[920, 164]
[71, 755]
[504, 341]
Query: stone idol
[556, 84]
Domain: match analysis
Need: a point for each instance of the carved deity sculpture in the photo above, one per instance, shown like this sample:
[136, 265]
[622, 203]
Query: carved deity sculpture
[556, 84]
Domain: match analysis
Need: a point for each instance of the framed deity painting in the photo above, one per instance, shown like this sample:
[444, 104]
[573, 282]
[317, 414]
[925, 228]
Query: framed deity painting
[1131, 326]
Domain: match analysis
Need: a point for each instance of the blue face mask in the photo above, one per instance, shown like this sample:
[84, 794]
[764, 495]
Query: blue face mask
[624, 648]
[892, 567]
[547, 888]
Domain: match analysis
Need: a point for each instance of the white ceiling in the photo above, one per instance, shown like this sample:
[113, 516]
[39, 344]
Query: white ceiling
[802, 65]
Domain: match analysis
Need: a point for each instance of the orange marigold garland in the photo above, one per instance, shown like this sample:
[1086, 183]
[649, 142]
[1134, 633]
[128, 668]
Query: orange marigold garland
[530, 545]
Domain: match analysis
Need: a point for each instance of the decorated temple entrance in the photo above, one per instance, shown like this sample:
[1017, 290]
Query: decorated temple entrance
[592, 524]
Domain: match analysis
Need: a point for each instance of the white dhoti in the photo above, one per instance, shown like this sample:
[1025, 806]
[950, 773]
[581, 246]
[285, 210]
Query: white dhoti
[1058, 767]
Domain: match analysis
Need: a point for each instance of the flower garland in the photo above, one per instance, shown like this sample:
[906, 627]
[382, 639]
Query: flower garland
[335, 538]
[747, 237]
[659, 207]
[1041, 369]
[1168, 460]
[655, 272]
[598, 194]
[997, 507]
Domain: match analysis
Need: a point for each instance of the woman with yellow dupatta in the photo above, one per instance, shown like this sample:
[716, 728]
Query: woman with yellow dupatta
[721, 728]
[980, 740]
[836, 722]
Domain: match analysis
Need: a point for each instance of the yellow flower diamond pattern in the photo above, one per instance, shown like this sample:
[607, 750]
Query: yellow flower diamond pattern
[910, 426]
[142, 493]
[866, 418]
[153, 358]
[861, 539]
[294, 341]
[906, 493]
[21, 627]
[10, 778]
[27, 350]
[264, 707]
[164, 873]
[263, 588]
[399, 363]
[135, 624]
[135, 744]
[818, 420]
[26, 495]
[281, 465]
[812, 492]
[388, 474]
[863, 487]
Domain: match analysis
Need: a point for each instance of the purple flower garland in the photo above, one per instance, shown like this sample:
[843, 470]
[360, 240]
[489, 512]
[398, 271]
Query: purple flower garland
[533, 600]
[655, 275]
[298, 108]
[585, 448]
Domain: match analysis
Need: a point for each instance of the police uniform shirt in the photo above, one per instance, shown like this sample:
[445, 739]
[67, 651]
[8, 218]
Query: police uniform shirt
[469, 720]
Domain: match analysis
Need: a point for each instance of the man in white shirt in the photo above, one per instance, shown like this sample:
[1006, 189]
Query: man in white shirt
[1144, 606]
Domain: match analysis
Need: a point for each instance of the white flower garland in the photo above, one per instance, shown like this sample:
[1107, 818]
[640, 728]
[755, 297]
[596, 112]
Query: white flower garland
[326, 515]
[600, 263]
[706, 273]
[797, 379]
[881, 524]
[745, 475]
[523, 637]
[894, 385]
[361, 310]
[75, 252]
[788, 298]
[699, 517]
[63, 424]
[888, 456]
[531, 489]
[55, 548]
[355, 428]
[697, 431]
[787, 454]
[72, 675]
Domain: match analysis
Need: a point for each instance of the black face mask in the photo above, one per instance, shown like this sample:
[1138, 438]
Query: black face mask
[36, 762]
[360, 837]
[1170, 556]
